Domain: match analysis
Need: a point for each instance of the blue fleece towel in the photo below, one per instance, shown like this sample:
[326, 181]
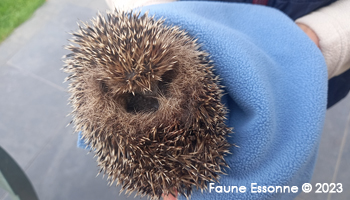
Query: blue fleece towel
[276, 84]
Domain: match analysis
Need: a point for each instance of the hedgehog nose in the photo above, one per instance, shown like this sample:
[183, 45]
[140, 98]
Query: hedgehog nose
[141, 103]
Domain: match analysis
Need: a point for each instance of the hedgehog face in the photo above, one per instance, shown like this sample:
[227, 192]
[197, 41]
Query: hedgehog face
[148, 103]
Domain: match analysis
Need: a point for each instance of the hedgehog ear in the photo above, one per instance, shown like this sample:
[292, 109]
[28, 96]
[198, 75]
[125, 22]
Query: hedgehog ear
[166, 79]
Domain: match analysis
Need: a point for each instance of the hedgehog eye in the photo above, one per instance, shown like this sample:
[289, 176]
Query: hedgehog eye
[141, 103]
[104, 87]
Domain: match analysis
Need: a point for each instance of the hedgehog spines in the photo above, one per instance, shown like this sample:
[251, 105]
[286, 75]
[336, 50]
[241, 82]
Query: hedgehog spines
[148, 103]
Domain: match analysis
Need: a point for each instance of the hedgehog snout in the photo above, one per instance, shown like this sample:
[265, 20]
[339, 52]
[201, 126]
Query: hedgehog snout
[147, 101]
[141, 103]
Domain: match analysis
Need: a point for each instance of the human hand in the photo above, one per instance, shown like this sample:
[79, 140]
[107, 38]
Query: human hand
[170, 196]
[309, 32]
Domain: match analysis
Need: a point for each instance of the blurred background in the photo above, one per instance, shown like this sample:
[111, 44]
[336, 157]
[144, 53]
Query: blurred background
[33, 109]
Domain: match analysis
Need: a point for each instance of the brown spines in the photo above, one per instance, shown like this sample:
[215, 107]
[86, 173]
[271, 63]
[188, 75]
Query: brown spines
[130, 51]
[148, 103]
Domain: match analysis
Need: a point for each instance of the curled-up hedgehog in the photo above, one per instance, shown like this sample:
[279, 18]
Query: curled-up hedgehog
[147, 102]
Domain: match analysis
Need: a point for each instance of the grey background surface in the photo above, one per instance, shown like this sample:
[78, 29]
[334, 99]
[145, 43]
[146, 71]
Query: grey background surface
[33, 109]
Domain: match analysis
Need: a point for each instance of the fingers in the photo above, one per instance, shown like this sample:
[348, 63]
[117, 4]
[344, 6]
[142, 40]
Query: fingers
[309, 32]
[170, 196]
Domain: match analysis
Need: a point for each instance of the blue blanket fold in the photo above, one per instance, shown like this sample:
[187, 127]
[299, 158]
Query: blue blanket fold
[276, 85]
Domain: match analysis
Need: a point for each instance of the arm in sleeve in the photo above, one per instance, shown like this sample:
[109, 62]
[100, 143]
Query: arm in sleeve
[332, 26]
[131, 4]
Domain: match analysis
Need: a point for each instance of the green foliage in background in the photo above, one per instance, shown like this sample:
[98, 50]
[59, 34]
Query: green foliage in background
[15, 12]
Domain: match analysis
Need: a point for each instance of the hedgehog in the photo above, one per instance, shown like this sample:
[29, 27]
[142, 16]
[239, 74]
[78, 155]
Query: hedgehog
[145, 96]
